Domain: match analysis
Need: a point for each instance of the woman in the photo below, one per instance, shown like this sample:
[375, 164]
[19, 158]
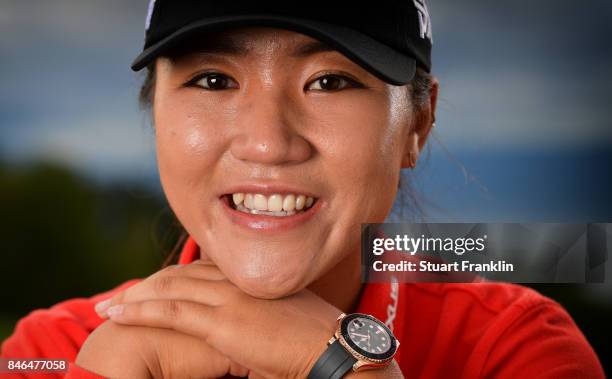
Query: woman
[279, 131]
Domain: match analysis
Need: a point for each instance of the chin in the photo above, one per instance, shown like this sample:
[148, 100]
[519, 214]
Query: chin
[266, 270]
[269, 284]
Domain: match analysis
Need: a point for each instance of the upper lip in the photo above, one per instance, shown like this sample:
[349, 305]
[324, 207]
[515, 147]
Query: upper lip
[268, 189]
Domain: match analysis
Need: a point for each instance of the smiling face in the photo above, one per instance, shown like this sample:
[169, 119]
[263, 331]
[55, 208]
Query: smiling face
[273, 149]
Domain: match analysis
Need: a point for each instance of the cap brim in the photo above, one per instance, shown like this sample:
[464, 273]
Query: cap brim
[381, 60]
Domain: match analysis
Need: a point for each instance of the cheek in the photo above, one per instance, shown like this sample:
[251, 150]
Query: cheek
[361, 143]
[188, 146]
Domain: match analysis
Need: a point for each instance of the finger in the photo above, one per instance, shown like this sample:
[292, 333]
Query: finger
[198, 269]
[188, 317]
[167, 287]
[194, 319]
[182, 356]
[204, 261]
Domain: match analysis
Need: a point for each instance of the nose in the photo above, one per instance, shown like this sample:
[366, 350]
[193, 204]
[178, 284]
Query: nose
[267, 132]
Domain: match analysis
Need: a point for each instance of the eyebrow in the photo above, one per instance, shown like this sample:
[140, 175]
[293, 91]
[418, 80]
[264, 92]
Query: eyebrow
[233, 47]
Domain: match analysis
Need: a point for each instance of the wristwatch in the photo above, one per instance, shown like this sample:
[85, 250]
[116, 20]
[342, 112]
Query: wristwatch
[361, 341]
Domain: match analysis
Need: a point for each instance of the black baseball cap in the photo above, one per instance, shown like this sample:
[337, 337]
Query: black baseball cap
[388, 38]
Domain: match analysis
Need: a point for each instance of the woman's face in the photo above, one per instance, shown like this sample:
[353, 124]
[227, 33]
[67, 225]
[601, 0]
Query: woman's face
[265, 117]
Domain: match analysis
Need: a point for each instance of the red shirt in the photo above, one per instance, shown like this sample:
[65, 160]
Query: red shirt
[446, 330]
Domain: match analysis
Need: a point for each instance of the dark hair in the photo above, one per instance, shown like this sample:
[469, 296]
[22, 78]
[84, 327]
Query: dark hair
[419, 91]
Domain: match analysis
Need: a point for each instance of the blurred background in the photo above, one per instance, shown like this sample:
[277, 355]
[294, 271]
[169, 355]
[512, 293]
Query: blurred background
[523, 134]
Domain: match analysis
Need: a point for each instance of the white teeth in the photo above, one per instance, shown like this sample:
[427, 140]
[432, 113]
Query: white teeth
[260, 202]
[274, 205]
[299, 202]
[248, 200]
[309, 201]
[238, 197]
[242, 208]
[289, 203]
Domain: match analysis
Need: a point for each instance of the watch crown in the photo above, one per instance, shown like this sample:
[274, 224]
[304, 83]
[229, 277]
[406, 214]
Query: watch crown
[342, 315]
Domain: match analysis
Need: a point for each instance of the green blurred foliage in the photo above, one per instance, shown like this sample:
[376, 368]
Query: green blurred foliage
[64, 237]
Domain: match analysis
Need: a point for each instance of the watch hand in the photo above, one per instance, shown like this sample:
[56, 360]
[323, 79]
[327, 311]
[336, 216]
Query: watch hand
[359, 335]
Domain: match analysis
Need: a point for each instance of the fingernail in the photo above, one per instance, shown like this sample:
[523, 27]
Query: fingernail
[115, 310]
[102, 305]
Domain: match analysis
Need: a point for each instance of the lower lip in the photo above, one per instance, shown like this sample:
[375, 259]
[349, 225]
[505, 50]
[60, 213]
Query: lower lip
[266, 223]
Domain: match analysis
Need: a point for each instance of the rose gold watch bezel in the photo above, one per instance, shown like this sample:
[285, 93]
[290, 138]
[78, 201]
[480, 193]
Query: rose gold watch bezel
[363, 362]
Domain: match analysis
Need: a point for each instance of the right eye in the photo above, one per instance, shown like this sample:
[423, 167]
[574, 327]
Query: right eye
[214, 81]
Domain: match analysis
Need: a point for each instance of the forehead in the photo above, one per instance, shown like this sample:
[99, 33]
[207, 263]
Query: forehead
[249, 41]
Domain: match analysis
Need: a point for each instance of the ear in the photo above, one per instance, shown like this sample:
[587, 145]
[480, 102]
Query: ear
[423, 123]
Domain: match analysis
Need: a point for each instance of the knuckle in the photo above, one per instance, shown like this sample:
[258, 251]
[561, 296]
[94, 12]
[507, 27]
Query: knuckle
[164, 284]
[172, 309]
[163, 271]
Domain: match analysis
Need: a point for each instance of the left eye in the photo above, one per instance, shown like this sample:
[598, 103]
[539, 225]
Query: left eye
[213, 81]
[331, 83]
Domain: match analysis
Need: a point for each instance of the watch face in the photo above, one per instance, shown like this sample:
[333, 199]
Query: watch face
[368, 336]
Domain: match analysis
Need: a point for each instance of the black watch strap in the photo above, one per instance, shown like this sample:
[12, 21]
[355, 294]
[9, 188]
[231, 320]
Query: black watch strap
[333, 363]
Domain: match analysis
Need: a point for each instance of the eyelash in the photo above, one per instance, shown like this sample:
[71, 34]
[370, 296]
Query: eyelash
[351, 83]
[193, 81]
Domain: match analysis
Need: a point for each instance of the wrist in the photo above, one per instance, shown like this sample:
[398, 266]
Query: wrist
[318, 347]
[391, 371]
[360, 343]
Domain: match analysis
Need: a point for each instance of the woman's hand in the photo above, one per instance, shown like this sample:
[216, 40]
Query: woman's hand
[137, 352]
[271, 338]
[141, 352]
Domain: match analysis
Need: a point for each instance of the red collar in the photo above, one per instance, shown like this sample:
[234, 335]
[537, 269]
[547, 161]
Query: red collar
[190, 252]
[384, 301]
